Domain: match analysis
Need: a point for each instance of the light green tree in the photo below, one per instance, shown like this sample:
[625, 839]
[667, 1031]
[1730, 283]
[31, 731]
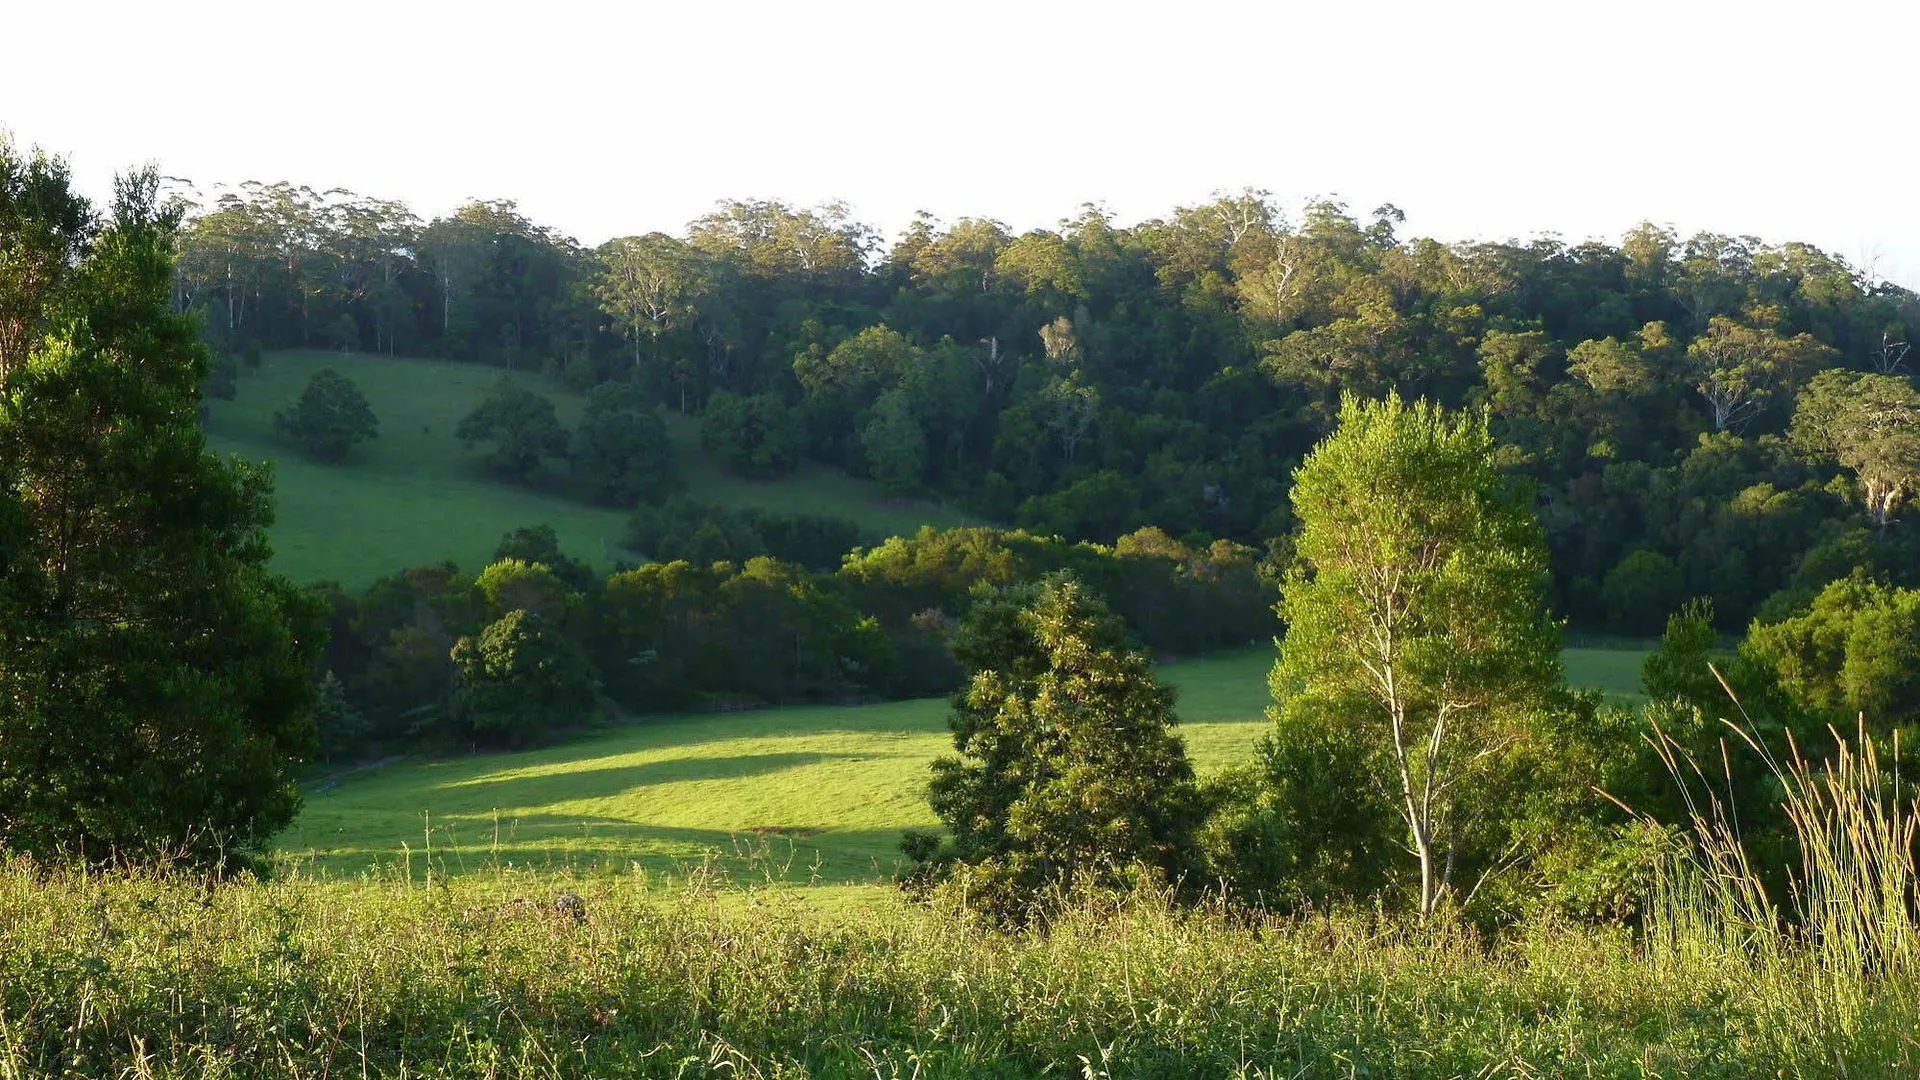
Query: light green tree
[1415, 609]
[1870, 425]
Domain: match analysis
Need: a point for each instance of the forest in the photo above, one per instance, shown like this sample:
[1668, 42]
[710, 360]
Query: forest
[1699, 416]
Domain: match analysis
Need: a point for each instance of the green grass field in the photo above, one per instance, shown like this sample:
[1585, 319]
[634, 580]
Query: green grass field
[414, 495]
[812, 795]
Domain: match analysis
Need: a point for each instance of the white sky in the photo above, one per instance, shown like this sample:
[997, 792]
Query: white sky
[1480, 119]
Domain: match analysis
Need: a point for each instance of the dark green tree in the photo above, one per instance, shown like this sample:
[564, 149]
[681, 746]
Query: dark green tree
[330, 417]
[156, 681]
[521, 426]
[1068, 772]
[756, 436]
[520, 681]
[621, 452]
[1639, 593]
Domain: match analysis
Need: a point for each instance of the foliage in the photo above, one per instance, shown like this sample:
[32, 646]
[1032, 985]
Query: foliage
[1415, 613]
[1854, 654]
[702, 533]
[520, 681]
[330, 417]
[756, 435]
[1069, 772]
[155, 680]
[621, 449]
[521, 427]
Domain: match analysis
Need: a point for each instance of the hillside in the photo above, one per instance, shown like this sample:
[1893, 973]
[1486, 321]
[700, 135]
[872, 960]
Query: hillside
[414, 495]
[815, 794]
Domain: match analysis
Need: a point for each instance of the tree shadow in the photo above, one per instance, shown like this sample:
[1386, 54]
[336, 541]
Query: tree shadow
[506, 788]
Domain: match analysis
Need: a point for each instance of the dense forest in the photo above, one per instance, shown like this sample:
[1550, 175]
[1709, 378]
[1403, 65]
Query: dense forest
[1707, 416]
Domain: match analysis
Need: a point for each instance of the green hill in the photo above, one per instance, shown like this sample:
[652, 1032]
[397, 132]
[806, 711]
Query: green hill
[808, 794]
[414, 495]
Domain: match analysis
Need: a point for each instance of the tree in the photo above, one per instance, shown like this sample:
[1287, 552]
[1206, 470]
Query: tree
[647, 285]
[522, 426]
[1069, 771]
[895, 444]
[156, 681]
[330, 417]
[1415, 608]
[1739, 369]
[1639, 593]
[1870, 424]
[621, 449]
[520, 680]
[757, 435]
[1854, 653]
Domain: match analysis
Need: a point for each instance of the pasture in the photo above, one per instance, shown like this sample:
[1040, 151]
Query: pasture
[414, 495]
[814, 795]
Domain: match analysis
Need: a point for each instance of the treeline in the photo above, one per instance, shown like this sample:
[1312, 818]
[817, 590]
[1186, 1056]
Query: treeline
[1093, 379]
[531, 645]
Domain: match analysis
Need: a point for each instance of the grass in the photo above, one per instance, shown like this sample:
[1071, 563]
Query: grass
[814, 795]
[143, 976]
[415, 495]
[1612, 668]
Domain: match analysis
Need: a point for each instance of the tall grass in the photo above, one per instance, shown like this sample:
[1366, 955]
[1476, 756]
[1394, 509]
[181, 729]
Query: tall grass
[1833, 962]
[142, 975]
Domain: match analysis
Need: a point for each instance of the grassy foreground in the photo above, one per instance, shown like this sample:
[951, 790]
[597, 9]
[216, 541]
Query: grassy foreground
[135, 976]
[414, 495]
[815, 795]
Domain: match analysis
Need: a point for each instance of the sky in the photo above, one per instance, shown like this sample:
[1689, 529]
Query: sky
[1481, 120]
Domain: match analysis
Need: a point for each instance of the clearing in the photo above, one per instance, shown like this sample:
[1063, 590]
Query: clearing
[416, 496]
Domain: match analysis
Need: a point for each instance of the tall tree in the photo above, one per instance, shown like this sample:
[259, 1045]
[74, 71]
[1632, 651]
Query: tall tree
[1870, 425]
[1416, 607]
[648, 286]
[155, 679]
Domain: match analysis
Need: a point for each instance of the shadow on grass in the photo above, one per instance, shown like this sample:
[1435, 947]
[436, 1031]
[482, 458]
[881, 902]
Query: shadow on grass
[596, 782]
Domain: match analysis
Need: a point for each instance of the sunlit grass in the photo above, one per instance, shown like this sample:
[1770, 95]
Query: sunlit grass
[819, 794]
[414, 495]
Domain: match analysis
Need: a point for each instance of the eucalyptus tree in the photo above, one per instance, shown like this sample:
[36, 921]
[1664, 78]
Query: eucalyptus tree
[1870, 425]
[649, 286]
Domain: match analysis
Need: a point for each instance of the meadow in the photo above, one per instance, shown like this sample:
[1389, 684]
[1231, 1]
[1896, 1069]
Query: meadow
[814, 795]
[414, 495]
